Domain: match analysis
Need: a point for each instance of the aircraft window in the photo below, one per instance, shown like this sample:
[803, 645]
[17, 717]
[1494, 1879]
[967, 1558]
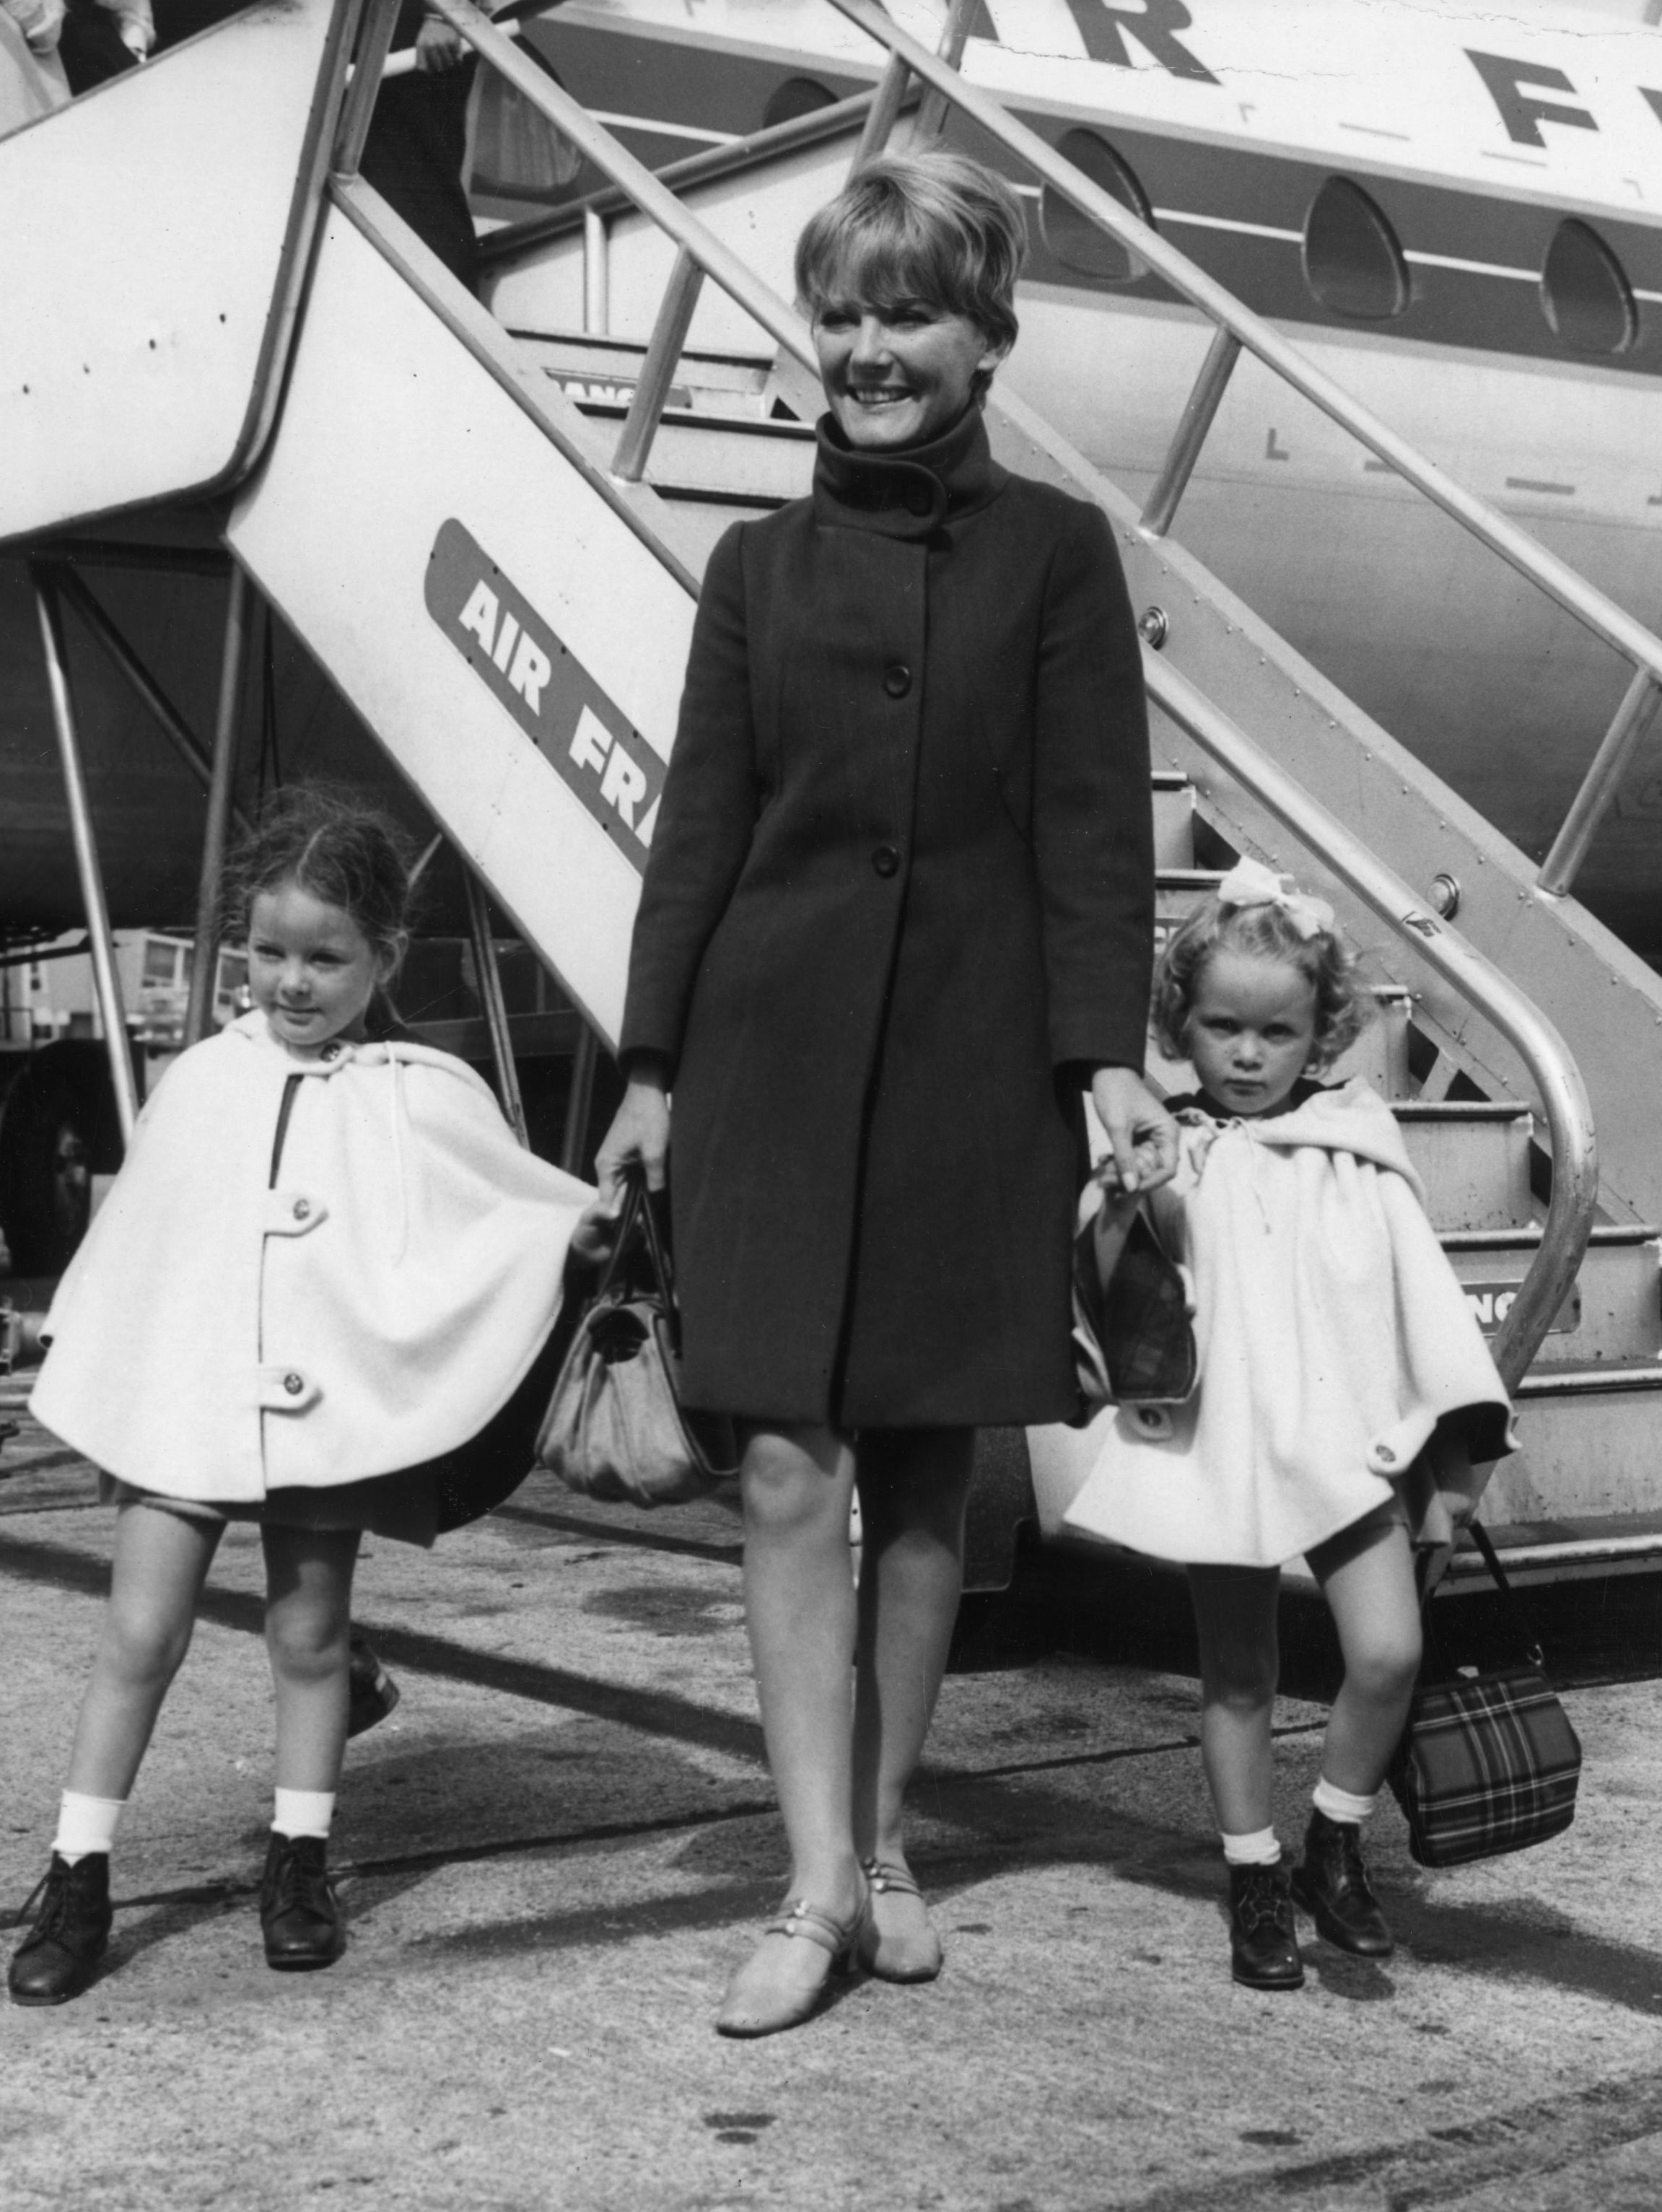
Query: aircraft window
[1352, 261]
[798, 95]
[1073, 237]
[1584, 294]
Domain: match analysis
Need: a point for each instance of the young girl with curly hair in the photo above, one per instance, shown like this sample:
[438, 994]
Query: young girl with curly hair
[1344, 1391]
[320, 1296]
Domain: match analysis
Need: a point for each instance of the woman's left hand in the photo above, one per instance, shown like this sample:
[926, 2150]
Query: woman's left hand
[1142, 1133]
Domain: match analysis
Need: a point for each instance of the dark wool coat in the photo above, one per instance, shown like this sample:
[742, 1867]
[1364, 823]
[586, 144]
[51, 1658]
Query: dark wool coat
[898, 904]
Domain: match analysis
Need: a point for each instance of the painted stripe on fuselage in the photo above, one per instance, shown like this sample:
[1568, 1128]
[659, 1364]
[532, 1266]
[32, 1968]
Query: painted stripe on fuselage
[1474, 257]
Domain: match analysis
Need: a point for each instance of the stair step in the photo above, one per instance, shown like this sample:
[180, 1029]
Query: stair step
[1588, 1439]
[1473, 1159]
[604, 369]
[1614, 1312]
[706, 455]
[1173, 821]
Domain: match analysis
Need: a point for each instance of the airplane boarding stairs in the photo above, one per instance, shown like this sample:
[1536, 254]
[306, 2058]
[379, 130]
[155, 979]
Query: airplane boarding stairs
[436, 513]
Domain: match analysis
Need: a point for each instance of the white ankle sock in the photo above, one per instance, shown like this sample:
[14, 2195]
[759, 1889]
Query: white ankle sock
[1261, 1848]
[1342, 1804]
[303, 1812]
[86, 1824]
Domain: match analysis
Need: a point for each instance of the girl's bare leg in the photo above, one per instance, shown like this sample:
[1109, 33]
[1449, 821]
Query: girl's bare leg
[1367, 1575]
[913, 1486]
[307, 1624]
[1234, 1612]
[160, 1562]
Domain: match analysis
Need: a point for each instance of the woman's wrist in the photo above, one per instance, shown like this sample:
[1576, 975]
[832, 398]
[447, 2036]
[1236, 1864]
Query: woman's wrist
[646, 1070]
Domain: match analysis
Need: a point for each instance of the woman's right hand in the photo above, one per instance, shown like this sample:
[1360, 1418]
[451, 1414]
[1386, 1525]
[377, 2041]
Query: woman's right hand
[639, 1131]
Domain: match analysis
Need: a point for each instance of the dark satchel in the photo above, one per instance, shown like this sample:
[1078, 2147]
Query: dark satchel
[615, 1427]
[1133, 1336]
[1487, 1763]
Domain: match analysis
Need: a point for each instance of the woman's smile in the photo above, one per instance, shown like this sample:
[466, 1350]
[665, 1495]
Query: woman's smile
[898, 373]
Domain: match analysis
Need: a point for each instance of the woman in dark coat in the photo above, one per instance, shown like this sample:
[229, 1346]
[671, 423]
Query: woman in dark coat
[898, 914]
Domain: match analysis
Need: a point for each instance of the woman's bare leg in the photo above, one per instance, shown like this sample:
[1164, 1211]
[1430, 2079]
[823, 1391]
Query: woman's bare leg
[799, 1607]
[914, 1488]
[797, 1485]
[160, 1562]
[1234, 1612]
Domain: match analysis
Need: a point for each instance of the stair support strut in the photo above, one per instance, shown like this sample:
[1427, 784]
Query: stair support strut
[101, 945]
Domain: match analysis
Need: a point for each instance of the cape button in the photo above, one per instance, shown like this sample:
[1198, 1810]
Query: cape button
[302, 1209]
[886, 860]
[919, 500]
[293, 1383]
[897, 680]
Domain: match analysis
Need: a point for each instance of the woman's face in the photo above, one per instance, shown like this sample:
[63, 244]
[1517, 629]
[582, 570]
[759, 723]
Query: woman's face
[901, 373]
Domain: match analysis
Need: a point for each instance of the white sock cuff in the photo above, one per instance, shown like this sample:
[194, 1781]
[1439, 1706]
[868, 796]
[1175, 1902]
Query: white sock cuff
[1261, 1848]
[303, 1813]
[86, 1824]
[1342, 1804]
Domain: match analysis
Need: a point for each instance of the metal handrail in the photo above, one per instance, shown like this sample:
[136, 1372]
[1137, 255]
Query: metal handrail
[1562, 1094]
[1525, 1028]
[759, 300]
[1572, 591]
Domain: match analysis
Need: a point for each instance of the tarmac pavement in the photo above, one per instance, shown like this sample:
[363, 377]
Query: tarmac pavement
[556, 1848]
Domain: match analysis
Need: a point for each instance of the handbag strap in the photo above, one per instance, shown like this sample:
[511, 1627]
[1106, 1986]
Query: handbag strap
[1511, 1611]
[1511, 1606]
[657, 1253]
[629, 1222]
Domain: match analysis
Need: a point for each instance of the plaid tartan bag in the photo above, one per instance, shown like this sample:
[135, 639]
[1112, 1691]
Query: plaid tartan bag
[1487, 1763]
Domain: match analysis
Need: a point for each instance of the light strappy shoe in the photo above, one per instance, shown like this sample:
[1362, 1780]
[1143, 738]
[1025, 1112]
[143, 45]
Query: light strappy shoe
[761, 1999]
[907, 1948]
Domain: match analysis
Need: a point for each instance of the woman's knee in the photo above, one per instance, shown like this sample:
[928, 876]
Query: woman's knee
[915, 1482]
[791, 1488]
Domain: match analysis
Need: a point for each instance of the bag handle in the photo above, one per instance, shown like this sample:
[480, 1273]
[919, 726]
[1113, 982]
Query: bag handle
[1511, 1606]
[638, 1222]
[1511, 1611]
[628, 1221]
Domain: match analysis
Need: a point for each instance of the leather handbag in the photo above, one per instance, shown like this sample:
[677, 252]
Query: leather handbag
[1489, 1762]
[1133, 1336]
[615, 1427]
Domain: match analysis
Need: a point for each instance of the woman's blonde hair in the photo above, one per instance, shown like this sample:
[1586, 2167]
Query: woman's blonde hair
[1268, 932]
[935, 227]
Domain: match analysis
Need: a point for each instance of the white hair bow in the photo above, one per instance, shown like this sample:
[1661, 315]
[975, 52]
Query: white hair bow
[1249, 883]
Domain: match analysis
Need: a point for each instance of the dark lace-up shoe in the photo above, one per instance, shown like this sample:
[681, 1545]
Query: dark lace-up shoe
[299, 1916]
[1333, 1886]
[55, 1961]
[372, 1694]
[1263, 1944]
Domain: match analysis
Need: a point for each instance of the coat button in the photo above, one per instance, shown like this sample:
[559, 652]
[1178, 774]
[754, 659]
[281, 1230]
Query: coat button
[293, 1383]
[302, 1209]
[886, 860]
[897, 680]
[919, 500]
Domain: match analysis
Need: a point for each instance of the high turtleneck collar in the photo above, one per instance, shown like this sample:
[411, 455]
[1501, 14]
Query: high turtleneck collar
[909, 492]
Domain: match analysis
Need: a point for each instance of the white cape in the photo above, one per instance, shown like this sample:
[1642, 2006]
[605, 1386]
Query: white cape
[215, 1338]
[1332, 1336]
